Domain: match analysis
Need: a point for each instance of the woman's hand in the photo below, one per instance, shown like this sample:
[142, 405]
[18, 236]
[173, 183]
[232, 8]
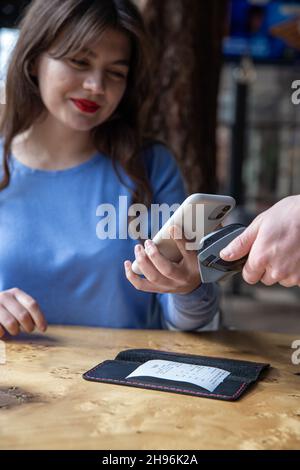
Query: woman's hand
[19, 311]
[162, 275]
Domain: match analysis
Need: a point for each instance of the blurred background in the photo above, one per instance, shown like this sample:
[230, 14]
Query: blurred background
[224, 76]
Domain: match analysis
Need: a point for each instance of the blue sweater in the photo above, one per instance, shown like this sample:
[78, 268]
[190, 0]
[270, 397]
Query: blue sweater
[49, 247]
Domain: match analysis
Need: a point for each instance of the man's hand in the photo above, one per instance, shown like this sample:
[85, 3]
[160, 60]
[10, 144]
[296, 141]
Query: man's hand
[273, 244]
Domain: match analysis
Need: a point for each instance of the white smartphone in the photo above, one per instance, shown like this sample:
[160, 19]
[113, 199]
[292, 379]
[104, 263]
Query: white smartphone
[197, 216]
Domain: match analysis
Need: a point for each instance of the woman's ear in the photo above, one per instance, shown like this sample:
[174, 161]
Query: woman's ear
[33, 69]
[31, 73]
[34, 66]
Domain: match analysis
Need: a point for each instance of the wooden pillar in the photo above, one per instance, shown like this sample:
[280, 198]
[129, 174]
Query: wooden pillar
[187, 37]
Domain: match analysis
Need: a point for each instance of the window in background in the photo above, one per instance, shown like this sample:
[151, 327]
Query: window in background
[271, 169]
[267, 163]
[267, 32]
[8, 38]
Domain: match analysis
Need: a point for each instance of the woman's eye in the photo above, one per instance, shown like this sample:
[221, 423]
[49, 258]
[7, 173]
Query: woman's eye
[79, 63]
[119, 75]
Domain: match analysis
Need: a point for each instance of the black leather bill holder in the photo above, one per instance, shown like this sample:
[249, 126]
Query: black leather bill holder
[220, 378]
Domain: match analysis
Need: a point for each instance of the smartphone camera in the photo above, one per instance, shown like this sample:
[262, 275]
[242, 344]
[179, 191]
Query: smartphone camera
[219, 212]
[223, 212]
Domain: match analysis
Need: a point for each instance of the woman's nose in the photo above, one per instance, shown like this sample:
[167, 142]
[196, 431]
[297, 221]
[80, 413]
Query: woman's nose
[95, 83]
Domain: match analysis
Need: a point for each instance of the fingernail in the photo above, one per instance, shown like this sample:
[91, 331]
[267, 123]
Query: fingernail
[172, 231]
[226, 253]
[150, 247]
[177, 232]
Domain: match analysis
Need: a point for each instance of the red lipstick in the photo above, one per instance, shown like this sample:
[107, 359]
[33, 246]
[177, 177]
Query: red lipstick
[86, 106]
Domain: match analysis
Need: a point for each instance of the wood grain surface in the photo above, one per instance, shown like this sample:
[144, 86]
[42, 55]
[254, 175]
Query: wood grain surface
[2, 352]
[45, 403]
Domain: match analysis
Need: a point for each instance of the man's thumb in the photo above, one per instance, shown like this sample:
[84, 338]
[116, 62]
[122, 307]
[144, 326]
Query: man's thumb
[241, 245]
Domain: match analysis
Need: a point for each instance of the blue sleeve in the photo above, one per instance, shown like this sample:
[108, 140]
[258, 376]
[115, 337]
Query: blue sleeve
[199, 309]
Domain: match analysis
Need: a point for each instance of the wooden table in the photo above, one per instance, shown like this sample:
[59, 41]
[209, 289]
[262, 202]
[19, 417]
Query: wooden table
[45, 403]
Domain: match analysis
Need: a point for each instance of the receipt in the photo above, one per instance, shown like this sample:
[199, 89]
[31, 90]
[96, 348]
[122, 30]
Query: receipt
[202, 376]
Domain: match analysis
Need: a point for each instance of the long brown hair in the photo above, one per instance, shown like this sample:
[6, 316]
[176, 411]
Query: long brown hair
[81, 22]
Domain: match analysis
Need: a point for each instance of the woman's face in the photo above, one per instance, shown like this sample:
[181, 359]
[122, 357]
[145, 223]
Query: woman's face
[98, 76]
